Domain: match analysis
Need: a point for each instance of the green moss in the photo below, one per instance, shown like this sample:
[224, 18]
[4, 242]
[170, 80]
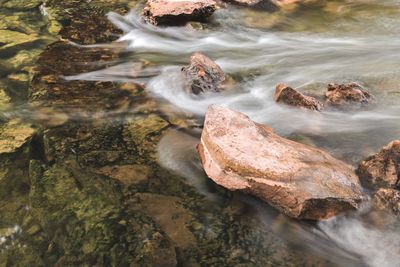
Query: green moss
[23, 58]
[12, 40]
[24, 5]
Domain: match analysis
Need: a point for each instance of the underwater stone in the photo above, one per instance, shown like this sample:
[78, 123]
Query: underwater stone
[23, 58]
[141, 132]
[127, 174]
[23, 5]
[13, 135]
[171, 216]
[5, 100]
[14, 40]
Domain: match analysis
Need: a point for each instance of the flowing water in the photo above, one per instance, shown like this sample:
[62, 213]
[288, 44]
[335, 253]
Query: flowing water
[306, 47]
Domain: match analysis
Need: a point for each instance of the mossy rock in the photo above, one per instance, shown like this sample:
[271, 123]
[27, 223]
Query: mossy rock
[14, 135]
[83, 216]
[5, 100]
[22, 5]
[23, 58]
[13, 41]
[142, 134]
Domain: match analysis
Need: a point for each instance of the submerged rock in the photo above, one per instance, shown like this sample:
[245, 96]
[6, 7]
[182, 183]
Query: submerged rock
[289, 96]
[263, 4]
[383, 168]
[177, 12]
[387, 200]
[301, 181]
[127, 174]
[203, 75]
[173, 218]
[14, 135]
[257, 4]
[12, 40]
[347, 95]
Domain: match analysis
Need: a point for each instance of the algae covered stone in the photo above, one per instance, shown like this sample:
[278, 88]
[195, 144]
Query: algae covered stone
[13, 135]
[14, 40]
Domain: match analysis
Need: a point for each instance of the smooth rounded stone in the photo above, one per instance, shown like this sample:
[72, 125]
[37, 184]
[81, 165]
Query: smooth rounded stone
[178, 12]
[383, 168]
[387, 200]
[289, 96]
[347, 95]
[203, 75]
[301, 181]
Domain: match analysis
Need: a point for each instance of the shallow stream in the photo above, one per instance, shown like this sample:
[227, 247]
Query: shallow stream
[306, 47]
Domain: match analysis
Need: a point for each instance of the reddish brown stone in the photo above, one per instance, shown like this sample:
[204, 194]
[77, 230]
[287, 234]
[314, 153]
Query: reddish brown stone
[178, 12]
[289, 96]
[299, 180]
[387, 200]
[350, 95]
[383, 168]
[203, 75]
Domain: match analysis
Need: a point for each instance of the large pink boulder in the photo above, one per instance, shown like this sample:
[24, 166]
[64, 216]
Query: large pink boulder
[301, 181]
[177, 12]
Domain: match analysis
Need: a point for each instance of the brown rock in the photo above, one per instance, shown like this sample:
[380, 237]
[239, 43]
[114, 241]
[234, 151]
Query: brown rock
[383, 168]
[347, 95]
[387, 200]
[203, 75]
[127, 174]
[301, 181]
[178, 12]
[173, 218]
[289, 96]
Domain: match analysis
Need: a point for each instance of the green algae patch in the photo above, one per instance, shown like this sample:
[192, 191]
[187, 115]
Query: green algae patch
[23, 5]
[82, 215]
[13, 135]
[5, 100]
[15, 40]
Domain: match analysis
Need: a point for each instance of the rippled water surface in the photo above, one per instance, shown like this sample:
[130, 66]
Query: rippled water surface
[306, 47]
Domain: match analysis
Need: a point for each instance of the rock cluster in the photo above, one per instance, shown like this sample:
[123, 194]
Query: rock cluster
[342, 96]
[301, 181]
